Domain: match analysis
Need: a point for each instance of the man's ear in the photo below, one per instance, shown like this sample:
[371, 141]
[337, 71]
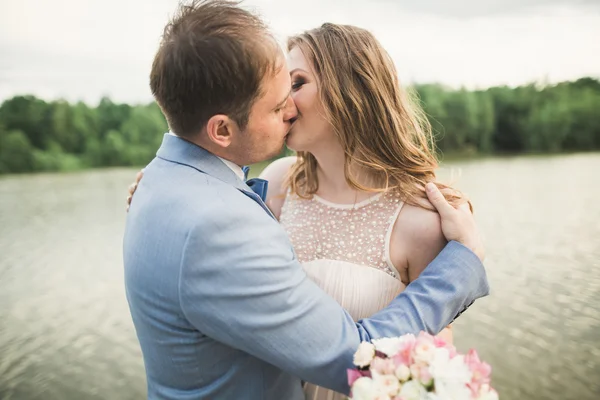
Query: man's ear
[221, 129]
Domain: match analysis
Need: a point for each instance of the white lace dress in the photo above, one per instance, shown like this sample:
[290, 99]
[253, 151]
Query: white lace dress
[345, 249]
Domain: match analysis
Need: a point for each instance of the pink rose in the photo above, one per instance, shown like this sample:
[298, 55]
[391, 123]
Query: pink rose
[481, 371]
[425, 337]
[439, 342]
[405, 352]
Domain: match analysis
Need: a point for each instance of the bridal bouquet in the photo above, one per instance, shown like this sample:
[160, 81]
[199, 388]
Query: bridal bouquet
[418, 368]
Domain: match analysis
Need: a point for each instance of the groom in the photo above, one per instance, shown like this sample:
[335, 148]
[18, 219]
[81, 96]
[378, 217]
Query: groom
[221, 306]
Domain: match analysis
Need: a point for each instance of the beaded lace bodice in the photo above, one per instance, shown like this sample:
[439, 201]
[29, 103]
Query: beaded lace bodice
[357, 233]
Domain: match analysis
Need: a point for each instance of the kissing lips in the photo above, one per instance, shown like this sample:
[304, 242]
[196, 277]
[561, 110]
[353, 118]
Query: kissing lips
[292, 122]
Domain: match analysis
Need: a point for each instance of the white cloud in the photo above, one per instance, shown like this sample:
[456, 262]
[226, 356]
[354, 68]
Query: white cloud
[86, 49]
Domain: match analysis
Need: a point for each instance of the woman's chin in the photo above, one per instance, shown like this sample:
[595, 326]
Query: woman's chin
[289, 142]
[294, 141]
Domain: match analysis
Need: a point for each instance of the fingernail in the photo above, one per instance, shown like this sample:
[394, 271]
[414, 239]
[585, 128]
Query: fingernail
[430, 187]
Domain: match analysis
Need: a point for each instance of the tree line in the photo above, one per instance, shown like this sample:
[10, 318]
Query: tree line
[36, 135]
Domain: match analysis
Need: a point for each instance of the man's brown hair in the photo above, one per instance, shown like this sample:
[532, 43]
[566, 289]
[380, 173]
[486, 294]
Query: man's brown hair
[212, 60]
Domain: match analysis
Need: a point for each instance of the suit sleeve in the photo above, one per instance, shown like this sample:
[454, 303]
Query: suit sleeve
[241, 285]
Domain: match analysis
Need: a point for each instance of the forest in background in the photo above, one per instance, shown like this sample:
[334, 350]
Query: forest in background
[36, 135]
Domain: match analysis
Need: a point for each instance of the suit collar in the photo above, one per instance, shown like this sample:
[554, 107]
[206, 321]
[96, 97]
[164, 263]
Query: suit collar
[234, 167]
[180, 151]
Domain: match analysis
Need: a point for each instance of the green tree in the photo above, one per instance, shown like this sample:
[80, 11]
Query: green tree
[485, 121]
[142, 132]
[58, 136]
[29, 115]
[114, 149]
[111, 116]
[511, 108]
[16, 152]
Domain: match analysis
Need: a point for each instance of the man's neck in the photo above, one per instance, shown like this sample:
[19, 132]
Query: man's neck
[230, 164]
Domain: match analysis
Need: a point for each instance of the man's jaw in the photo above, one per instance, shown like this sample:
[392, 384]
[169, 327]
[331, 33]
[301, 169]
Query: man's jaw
[292, 123]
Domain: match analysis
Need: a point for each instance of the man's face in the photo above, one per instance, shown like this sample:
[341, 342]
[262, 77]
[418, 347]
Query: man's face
[269, 121]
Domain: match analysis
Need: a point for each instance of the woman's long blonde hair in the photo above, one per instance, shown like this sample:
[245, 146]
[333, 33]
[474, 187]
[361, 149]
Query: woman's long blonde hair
[380, 129]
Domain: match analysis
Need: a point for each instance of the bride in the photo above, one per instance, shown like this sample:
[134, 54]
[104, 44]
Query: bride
[353, 199]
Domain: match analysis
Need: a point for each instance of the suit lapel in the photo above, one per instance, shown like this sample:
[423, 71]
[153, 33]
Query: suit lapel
[180, 151]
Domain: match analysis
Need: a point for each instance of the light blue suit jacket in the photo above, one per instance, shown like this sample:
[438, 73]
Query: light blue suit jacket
[221, 306]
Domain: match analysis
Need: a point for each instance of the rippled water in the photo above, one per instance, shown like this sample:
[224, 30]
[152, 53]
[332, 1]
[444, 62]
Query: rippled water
[66, 333]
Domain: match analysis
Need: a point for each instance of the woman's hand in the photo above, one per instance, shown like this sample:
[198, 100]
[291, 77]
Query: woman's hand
[133, 187]
[457, 223]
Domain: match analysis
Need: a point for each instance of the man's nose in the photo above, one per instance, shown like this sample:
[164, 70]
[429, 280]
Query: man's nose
[291, 111]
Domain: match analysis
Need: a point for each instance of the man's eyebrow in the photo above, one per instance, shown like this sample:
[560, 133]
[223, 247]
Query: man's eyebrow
[283, 101]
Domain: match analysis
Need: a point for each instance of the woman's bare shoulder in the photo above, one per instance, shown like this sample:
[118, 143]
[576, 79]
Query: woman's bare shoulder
[419, 224]
[416, 240]
[275, 173]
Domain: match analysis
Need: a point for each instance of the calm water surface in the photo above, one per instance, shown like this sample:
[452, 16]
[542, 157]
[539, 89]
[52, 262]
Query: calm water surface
[66, 333]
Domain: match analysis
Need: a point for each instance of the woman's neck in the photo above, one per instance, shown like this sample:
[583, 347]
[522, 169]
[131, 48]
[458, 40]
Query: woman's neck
[332, 178]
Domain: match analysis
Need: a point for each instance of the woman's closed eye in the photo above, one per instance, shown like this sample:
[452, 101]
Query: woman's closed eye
[297, 84]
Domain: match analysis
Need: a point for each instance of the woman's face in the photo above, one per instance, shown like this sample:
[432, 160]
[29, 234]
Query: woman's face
[310, 128]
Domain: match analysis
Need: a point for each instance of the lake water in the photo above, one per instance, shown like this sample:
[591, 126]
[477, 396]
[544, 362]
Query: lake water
[66, 333]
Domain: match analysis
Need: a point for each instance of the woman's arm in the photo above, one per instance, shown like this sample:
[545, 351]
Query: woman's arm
[133, 187]
[418, 233]
[417, 239]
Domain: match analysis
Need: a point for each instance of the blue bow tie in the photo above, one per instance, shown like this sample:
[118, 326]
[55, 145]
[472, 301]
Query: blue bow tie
[258, 186]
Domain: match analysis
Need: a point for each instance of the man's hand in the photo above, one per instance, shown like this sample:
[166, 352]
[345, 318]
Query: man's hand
[457, 223]
[133, 187]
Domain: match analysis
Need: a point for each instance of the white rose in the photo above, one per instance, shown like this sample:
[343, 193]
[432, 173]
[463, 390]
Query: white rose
[413, 390]
[363, 389]
[388, 346]
[386, 384]
[450, 376]
[443, 368]
[402, 373]
[415, 371]
[424, 352]
[382, 397]
[364, 354]
[452, 391]
[391, 346]
[487, 393]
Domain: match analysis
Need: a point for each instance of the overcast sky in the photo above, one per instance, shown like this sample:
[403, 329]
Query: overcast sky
[84, 49]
